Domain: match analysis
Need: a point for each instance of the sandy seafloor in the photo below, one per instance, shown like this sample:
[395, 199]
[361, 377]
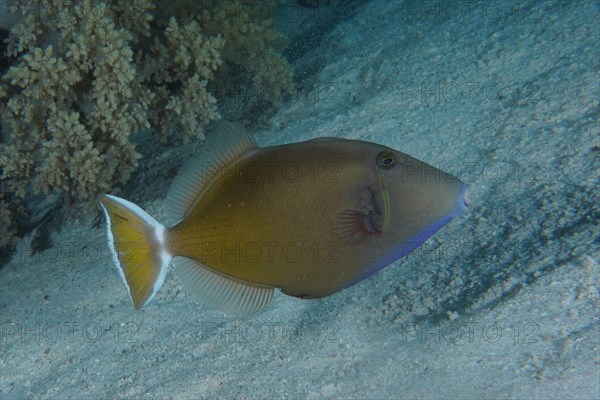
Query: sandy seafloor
[503, 302]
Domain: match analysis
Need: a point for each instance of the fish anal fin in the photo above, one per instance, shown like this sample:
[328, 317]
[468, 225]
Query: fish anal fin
[221, 292]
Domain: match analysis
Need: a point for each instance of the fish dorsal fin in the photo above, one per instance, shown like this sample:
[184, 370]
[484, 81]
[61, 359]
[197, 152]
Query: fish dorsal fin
[221, 292]
[226, 142]
[324, 139]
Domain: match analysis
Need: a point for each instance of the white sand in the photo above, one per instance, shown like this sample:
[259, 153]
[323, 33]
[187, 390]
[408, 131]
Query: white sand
[503, 302]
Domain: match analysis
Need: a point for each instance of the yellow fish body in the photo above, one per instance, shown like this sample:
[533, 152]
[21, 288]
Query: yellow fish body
[309, 218]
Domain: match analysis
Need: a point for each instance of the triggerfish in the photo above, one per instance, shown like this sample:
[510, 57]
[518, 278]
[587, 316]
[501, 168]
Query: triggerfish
[308, 218]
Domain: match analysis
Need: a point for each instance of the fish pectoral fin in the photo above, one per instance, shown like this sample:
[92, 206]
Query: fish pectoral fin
[355, 225]
[221, 292]
[368, 217]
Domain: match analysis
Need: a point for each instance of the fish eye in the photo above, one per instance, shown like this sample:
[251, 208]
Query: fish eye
[386, 160]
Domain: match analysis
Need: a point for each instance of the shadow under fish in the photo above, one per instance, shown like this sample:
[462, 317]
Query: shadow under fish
[309, 218]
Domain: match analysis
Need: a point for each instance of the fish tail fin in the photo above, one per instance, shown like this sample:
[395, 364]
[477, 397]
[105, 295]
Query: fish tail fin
[137, 244]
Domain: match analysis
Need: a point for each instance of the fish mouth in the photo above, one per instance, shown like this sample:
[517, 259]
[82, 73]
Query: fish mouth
[463, 201]
[466, 195]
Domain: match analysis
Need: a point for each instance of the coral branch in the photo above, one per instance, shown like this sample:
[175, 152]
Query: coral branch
[85, 75]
